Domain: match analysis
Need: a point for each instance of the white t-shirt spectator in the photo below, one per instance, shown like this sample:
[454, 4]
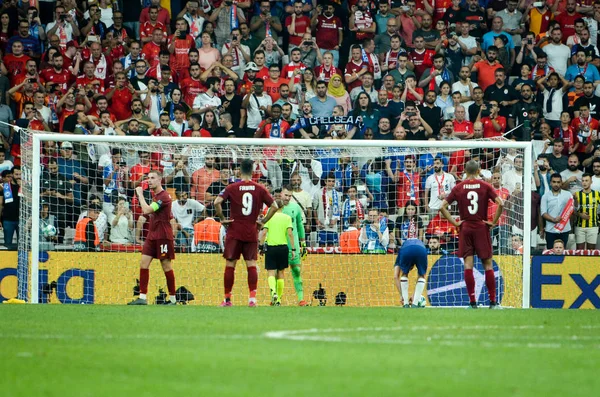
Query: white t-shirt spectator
[185, 214]
[437, 186]
[203, 100]
[6, 165]
[558, 57]
[254, 116]
[576, 185]
[465, 92]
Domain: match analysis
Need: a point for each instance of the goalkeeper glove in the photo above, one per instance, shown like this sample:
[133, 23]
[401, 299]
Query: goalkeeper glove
[303, 250]
[262, 249]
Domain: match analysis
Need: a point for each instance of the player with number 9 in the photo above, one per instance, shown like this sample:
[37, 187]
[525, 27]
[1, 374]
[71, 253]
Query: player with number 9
[473, 196]
[246, 199]
[159, 242]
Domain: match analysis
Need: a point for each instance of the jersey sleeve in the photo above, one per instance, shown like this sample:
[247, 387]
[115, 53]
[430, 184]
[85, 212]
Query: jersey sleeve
[299, 225]
[225, 193]
[452, 196]
[491, 192]
[289, 223]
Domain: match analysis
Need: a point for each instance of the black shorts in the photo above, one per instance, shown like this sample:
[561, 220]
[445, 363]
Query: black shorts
[276, 257]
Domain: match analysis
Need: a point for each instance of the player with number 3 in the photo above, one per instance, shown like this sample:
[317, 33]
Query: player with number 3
[246, 199]
[473, 196]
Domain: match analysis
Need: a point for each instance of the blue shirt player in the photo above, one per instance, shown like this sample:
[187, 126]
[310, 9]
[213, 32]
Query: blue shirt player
[412, 253]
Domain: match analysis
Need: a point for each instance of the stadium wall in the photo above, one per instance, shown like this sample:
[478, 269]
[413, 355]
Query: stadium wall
[367, 280]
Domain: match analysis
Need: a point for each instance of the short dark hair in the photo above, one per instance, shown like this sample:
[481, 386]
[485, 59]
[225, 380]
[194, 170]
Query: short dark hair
[247, 166]
[556, 175]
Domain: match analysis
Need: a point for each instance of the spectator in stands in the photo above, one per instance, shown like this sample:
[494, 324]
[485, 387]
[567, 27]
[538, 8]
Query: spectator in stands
[257, 105]
[555, 212]
[434, 247]
[349, 239]
[121, 225]
[5, 165]
[409, 225]
[572, 176]
[265, 24]
[375, 235]
[336, 90]
[486, 68]
[74, 171]
[328, 213]
[213, 191]
[558, 161]
[186, 213]
[558, 248]
[58, 192]
[9, 204]
[208, 236]
[87, 236]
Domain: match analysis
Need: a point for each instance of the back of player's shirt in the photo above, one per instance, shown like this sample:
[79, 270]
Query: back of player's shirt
[160, 220]
[246, 200]
[473, 197]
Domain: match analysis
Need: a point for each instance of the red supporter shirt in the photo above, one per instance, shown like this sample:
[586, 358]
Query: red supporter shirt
[352, 67]
[363, 20]
[440, 9]
[288, 72]
[464, 128]
[138, 171]
[15, 65]
[160, 220]
[567, 24]
[504, 194]
[457, 159]
[323, 74]
[150, 53]
[568, 135]
[473, 197]
[246, 199]
[179, 59]
[121, 103]
[84, 81]
[408, 188]
[328, 29]
[488, 128]
[263, 73]
[191, 88]
[578, 124]
[163, 16]
[272, 88]
[422, 61]
[302, 25]
[441, 227]
[147, 29]
[63, 78]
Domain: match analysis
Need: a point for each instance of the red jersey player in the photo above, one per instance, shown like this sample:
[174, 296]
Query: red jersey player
[246, 200]
[473, 196]
[159, 242]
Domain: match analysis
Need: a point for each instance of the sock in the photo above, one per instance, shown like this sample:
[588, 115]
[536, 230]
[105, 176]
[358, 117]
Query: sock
[280, 283]
[298, 282]
[172, 298]
[404, 289]
[252, 281]
[470, 282]
[490, 283]
[272, 285]
[419, 290]
[144, 278]
[170, 276]
[143, 296]
[228, 281]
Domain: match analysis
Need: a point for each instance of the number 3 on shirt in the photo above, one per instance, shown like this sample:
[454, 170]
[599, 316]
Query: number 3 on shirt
[473, 197]
[247, 204]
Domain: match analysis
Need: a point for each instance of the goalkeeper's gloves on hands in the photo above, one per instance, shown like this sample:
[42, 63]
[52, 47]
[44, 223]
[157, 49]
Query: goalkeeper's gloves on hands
[262, 248]
[303, 250]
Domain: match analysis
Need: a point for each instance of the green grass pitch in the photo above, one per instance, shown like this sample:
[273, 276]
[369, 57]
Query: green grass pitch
[54, 350]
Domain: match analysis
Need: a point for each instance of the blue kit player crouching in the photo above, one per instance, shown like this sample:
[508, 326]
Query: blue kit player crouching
[412, 253]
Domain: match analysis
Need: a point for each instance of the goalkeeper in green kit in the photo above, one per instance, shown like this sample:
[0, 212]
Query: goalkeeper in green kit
[295, 212]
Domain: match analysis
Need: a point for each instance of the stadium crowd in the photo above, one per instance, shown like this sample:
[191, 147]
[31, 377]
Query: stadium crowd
[398, 70]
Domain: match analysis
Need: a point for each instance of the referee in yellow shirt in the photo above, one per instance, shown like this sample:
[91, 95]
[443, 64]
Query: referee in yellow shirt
[278, 232]
[586, 202]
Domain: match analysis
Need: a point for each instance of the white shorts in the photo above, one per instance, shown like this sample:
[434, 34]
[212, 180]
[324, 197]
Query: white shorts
[586, 235]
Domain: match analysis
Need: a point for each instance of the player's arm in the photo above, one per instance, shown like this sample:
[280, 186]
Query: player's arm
[290, 233]
[146, 209]
[500, 207]
[272, 210]
[446, 214]
[219, 208]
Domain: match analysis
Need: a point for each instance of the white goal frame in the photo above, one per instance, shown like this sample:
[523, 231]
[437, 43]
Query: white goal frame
[38, 138]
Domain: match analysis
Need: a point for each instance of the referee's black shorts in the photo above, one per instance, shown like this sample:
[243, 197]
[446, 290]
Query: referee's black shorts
[276, 257]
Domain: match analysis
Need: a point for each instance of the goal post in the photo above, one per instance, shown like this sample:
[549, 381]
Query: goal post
[37, 272]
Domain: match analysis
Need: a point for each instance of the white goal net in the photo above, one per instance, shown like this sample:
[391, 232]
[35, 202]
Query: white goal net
[360, 200]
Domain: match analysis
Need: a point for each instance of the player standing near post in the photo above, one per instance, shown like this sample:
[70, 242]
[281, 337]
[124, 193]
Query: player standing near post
[246, 199]
[292, 209]
[278, 233]
[473, 196]
[412, 253]
[159, 243]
